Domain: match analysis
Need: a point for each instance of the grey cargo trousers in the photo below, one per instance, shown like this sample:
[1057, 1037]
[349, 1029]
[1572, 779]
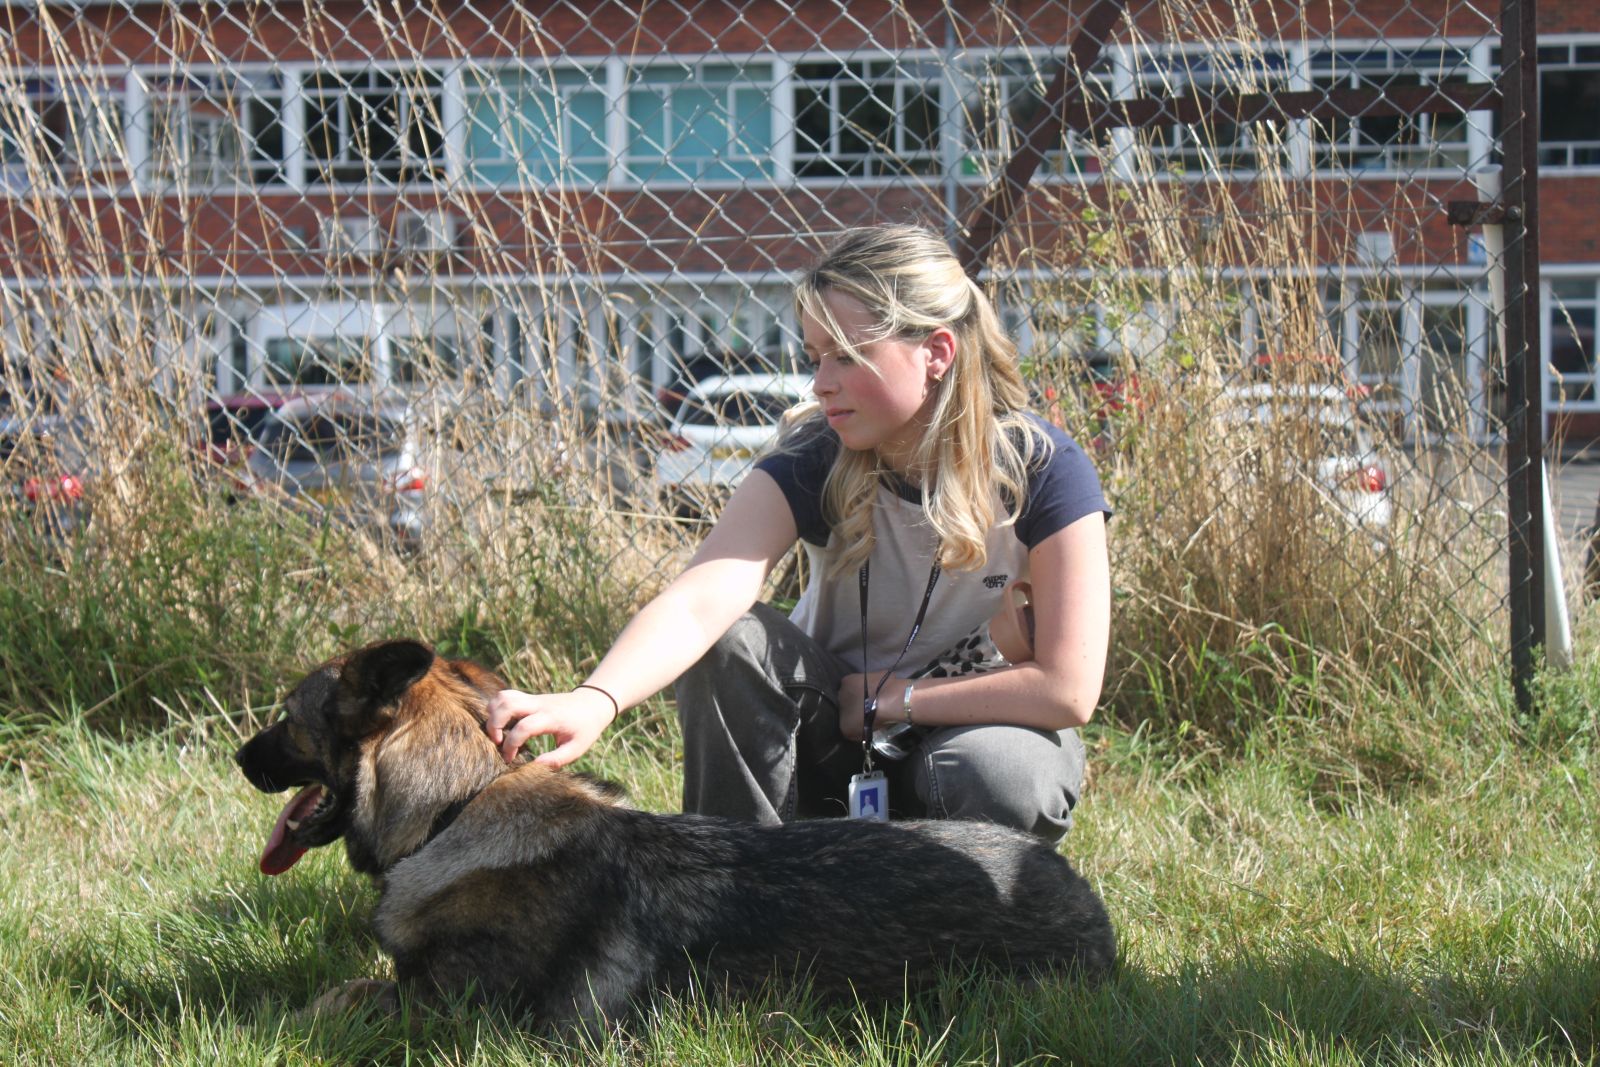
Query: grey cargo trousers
[761, 742]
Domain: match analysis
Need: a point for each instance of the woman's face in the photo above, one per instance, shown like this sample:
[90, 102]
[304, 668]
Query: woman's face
[881, 397]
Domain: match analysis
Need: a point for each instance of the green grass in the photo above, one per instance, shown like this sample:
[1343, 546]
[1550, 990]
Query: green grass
[1292, 902]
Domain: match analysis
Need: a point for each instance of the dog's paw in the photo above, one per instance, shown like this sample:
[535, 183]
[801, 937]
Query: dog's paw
[360, 994]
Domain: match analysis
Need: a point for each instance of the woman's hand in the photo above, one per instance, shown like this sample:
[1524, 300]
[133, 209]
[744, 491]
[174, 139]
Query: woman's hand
[575, 719]
[852, 710]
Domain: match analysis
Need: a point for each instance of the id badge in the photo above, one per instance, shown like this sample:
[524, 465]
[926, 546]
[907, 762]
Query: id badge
[869, 796]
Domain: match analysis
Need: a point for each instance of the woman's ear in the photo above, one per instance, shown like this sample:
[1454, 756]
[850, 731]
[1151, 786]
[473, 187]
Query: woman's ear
[941, 346]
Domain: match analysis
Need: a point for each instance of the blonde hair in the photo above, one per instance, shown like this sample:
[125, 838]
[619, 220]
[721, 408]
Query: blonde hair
[979, 443]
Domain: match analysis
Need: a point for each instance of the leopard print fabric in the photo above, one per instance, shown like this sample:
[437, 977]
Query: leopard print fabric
[973, 654]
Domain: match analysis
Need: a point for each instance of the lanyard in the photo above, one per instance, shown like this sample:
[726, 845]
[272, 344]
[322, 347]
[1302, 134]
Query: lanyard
[869, 710]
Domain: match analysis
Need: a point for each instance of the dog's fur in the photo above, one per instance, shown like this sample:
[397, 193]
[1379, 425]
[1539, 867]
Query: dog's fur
[533, 887]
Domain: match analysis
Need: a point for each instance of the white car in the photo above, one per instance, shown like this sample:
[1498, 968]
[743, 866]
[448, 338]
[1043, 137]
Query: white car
[1348, 468]
[723, 423]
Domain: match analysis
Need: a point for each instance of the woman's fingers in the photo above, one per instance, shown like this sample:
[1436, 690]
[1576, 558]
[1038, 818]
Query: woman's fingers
[522, 731]
[515, 718]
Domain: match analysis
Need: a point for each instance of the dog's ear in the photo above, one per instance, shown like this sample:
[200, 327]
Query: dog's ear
[373, 678]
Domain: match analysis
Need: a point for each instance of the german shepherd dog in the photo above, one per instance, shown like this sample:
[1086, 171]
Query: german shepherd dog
[534, 888]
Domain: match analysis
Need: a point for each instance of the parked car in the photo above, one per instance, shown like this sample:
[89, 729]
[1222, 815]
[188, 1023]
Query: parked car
[1317, 369]
[722, 424]
[44, 470]
[234, 428]
[234, 423]
[1346, 461]
[355, 458]
[715, 363]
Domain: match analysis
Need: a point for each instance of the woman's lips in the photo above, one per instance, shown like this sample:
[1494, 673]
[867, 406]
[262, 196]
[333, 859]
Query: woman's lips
[837, 414]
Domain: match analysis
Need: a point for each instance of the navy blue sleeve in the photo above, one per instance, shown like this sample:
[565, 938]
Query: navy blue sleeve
[800, 471]
[1061, 490]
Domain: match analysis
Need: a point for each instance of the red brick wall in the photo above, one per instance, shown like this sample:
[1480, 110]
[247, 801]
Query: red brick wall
[159, 33]
[688, 230]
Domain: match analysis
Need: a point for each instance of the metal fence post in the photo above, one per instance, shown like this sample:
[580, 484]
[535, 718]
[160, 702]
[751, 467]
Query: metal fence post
[1519, 80]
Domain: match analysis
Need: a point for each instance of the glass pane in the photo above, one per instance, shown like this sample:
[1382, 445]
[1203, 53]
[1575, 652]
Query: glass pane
[813, 121]
[1565, 289]
[752, 124]
[1572, 341]
[1442, 372]
[647, 123]
[1379, 344]
[921, 120]
[700, 129]
[586, 135]
[1569, 105]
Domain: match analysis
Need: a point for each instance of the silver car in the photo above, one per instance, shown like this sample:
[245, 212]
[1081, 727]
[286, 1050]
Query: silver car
[722, 425]
[353, 459]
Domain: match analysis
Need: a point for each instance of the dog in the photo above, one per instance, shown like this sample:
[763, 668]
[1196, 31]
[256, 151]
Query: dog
[535, 888]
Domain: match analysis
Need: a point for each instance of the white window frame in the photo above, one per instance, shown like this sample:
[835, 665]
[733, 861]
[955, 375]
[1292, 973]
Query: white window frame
[1569, 385]
[480, 81]
[1005, 74]
[1569, 149]
[633, 164]
[878, 161]
[1388, 59]
[230, 91]
[320, 173]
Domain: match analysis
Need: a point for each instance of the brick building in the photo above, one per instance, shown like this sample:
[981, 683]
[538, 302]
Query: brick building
[599, 188]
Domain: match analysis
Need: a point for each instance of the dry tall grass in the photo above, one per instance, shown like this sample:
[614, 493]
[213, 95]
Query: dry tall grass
[1243, 589]
[1247, 590]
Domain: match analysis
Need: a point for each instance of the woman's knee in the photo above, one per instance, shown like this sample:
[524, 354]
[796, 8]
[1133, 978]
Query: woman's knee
[741, 650]
[1026, 779]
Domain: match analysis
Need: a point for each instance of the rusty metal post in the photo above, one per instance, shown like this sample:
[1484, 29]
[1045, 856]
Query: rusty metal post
[992, 216]
[1519, 87]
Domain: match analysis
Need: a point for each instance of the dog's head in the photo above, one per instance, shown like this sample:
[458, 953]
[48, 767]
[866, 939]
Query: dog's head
[393, 701]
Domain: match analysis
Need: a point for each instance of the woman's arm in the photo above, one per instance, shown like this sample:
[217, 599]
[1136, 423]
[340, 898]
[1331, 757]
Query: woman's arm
[668, 635]
[1060, 686]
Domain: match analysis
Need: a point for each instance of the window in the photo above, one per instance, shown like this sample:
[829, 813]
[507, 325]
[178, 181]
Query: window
[1000, 97]
[1391, 142]
[216, 129]
[866, 118]
[317, 360]
[1573, 310]
[1569, 105]
[1217, 143]
[538, 126]
[1372, 331]
[65, 129]
[709, 122]
[373, 126]
[1445, 395]
[424, 359]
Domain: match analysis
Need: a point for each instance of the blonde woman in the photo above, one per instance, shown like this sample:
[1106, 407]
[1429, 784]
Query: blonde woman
[921, 490]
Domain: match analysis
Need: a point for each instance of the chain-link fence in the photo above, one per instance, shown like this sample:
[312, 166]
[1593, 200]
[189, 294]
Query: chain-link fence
[491, 302]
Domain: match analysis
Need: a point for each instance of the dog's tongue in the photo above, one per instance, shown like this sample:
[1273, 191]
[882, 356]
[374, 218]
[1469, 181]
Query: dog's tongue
[281, 853]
